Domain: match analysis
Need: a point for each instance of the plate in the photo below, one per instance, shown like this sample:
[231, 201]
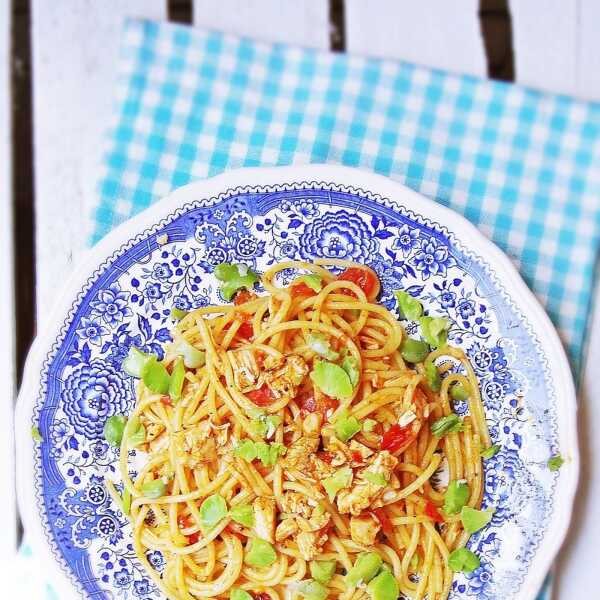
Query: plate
[123, 290]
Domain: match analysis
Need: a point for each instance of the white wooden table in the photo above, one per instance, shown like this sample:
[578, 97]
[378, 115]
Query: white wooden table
[74, 49]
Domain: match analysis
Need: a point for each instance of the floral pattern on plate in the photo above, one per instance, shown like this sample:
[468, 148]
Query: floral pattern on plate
[127, 303]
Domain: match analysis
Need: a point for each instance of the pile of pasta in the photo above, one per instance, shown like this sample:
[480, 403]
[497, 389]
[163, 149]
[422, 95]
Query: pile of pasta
[296, 442]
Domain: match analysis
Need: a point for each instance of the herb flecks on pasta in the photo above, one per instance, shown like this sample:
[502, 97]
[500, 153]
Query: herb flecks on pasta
[292, 443]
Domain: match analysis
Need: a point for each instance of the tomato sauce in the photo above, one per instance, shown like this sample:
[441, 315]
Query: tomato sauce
[384, 520]
[365, 279]
[395, 437]
[243, 296]
[432, 512]
[309, 404]
[299, 290]
[262, 396]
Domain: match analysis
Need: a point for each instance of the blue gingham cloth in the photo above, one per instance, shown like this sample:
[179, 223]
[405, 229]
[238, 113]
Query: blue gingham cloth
[522, 165]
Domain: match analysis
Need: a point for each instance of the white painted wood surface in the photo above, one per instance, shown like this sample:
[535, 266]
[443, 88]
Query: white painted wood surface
[588, 40]
[8, 513]
[303, 22]
[75, 48]
[557, 45]
[434, 33]
[545, 44]
[74, 51]
[576, 575]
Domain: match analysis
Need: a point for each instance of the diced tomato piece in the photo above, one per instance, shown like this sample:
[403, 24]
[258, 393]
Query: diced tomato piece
[309, 404]
[364, 278]
[246, 331]
[357, 456]
[231, 528]
[261, 596]
[166, 401]
[384, 520]
[243, 296]
[194, 537]
[325, 456]
[183, 522]
[395, 437]
[301, 289]
[398, 438]
[262, 396]
[432, 512]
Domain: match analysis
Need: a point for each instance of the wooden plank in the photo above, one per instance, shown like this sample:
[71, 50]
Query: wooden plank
[545, 43]
[8, 513]
[588, 57]
[75, 48]
[303, 22]
[582, 541]
[557, 46]
[435, 33]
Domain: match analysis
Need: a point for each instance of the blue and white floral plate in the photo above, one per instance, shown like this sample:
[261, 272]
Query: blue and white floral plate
[123, 291]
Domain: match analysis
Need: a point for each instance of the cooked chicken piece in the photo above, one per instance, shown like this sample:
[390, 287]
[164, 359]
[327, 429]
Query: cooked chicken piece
[383, 463]
[272, 362]
[364, 529]
[301, 460]
[308, 515]
[363, 492]
[358, 498]
[341, 452]
[158, 444]
[357, 449]
[196, 446]
[297, 504]
[225, 452]
[246, 372]
[309, 543]
[339, 459]
[312, 424]
[221, 433]
[321, 469]
[285, 529]
[300, 454]
[153, 430]
[264, 518]
[318, 520]
[286, 375]
[157, 438]
[411, 416]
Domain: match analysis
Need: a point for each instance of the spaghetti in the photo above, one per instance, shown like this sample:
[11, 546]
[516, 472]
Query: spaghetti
[299, 443]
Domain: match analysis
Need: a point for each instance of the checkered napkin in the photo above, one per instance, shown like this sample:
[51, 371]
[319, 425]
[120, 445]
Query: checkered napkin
[521, 165]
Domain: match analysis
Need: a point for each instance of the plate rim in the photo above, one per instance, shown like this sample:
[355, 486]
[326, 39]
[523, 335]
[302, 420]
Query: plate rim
[366, 181]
